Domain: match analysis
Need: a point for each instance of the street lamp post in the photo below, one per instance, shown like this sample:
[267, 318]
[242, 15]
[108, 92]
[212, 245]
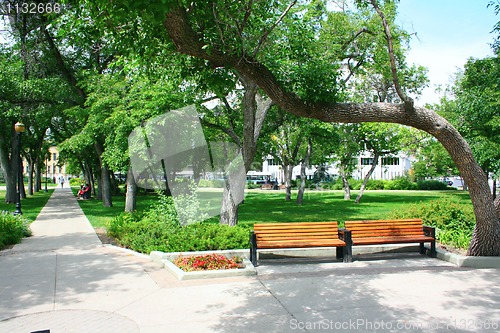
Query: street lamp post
[19, 128]
[46, 173]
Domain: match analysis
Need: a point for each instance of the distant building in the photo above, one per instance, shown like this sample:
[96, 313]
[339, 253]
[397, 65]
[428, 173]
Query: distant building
[54, 170]
[388, 167]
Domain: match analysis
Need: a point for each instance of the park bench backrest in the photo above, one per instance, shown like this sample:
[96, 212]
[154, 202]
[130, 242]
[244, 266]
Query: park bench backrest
[314, 231]
[384, 228]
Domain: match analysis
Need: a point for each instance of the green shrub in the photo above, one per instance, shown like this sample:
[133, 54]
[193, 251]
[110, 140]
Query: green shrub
[375, 184]
[433, 185]
[337, 185]
[208, 236]
[252, 186]
[159, 229]
[76, 181]
[401, 183]
[454, 220]
[12, 229]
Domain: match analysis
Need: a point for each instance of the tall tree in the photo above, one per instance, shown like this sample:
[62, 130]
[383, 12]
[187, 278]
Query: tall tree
[187, 30]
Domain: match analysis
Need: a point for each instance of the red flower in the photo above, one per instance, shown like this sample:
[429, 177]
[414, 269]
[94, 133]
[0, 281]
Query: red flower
[207, 262]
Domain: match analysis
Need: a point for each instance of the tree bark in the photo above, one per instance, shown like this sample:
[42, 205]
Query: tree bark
[345, 183]
[288, 169]
[10, 178]
[486, 237]
[303, 176]
[131, 195]
[38, 176]
[367, 177]
[31, 165]
[229, 208]
[105, 187]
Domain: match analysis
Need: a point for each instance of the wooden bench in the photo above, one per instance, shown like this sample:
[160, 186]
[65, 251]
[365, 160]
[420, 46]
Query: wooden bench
[375, 232]
[296, 235]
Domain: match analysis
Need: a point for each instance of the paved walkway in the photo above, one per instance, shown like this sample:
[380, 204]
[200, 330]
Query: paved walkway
[65, 280]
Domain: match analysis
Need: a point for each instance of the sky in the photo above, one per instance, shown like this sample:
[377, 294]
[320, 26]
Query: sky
[448, 32]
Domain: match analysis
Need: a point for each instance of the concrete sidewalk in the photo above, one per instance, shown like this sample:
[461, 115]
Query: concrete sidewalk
[65, 280]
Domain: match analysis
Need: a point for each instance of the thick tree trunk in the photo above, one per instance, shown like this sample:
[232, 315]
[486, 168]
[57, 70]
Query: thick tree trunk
[287, 173]
[131, 194]
[345, 185]
[31, 170]
[38, 176]
[367, 178]
[302, 186]
[105, 187]
[229, 208]
[303, 176]
[486, 237]
[9, 175]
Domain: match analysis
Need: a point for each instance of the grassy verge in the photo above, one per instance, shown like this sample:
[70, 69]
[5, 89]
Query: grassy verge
[31, 206]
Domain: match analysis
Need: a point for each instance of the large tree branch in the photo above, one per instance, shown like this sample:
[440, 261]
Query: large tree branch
[221, 128]
[387, 30]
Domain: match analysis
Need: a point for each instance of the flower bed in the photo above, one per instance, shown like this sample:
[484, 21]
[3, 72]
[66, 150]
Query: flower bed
[208, 262]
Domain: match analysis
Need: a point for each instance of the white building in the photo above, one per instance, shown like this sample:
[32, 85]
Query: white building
[388, 167]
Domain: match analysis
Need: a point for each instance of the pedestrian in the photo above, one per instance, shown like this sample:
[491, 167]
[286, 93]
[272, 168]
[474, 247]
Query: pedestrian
[61, 180]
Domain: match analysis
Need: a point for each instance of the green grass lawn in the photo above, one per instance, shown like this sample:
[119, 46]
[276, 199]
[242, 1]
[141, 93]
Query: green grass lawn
[270, 206]
[31, 206]
[99, 215]
[331, 206]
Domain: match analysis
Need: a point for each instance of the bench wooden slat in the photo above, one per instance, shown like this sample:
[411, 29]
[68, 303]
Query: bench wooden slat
[300, 243]
[294, 235]
[391, 240]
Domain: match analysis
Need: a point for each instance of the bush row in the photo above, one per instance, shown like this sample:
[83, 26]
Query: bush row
[454, 220]
[159, 230]
[401, 183]
[12, 229]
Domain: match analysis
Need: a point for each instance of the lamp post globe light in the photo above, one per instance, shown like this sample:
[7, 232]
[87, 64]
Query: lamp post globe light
[19, 128]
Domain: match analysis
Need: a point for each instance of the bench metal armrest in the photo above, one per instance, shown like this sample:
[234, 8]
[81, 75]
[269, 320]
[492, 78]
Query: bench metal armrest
[345, 235]
[429, 231]
[253, 248]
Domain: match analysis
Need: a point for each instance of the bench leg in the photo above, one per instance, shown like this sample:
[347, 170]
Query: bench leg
[253, 249]
[347, 253]
[340, 252]
[422, 248]
[433, 250]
